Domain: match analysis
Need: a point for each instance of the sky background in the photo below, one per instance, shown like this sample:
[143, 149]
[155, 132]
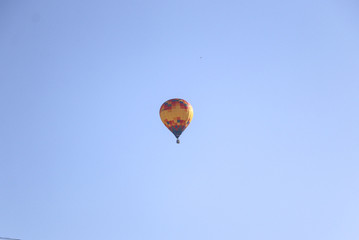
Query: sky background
[272, 151]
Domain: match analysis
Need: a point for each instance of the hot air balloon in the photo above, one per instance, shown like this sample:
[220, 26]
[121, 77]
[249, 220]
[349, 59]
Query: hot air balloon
[176, 114]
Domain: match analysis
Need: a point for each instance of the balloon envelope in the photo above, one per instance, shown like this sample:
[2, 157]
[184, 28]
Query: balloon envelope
[176, 114]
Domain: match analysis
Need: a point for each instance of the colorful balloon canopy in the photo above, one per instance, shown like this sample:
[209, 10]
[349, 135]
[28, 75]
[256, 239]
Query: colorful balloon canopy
[176, 114]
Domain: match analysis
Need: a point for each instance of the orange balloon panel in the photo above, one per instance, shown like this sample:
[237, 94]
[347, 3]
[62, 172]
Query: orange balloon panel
[176, 114]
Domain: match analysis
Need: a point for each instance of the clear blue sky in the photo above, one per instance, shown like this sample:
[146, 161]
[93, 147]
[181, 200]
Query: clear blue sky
[272, 152]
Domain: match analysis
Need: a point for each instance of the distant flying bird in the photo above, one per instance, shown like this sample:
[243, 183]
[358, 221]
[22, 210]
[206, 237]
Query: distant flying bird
[176, 114]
